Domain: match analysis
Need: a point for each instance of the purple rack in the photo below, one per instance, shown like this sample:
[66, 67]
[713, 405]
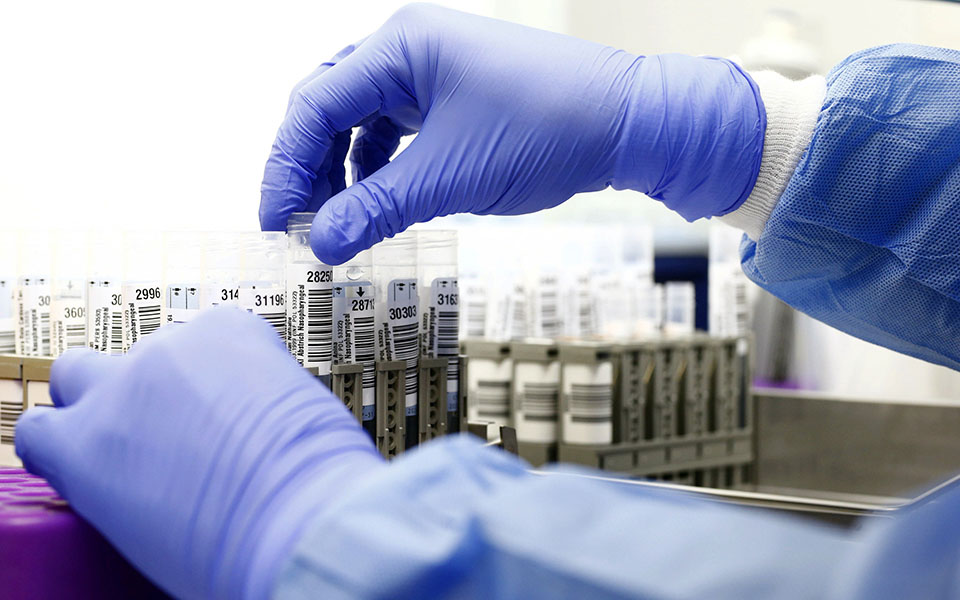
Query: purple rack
[48, 551]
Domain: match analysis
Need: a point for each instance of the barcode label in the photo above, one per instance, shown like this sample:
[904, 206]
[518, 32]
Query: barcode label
[440, 327]
[310, 315]
[544, 308]
[591, 403]
[538, 401]
[267, 301]
[182, 302]
[353, 334]
[8, 337]
[214, 295]
[34, 313]
[6, 299]
[105, 317]
[398, 333]
[475, 307]
[142, 311]
[9, 413]
[493, 400]
[581, 317]
[68, 325]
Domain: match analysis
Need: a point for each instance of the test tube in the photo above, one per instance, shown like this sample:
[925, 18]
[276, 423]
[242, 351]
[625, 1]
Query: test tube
[32, 298]
[440, 308]
[680, 307]
[353, 326]
[8, 275]
[262, 290]
[68, 299]
[224, 253]
[397, 322]
[309, 300]
[105, 294]
[184, 257]
[142, 287]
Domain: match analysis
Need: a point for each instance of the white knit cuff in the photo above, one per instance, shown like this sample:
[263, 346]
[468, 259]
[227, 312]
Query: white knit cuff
[792, 109]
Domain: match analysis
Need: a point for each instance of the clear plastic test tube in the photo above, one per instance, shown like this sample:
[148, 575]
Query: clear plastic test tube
[32, 298]
[8, 277]
[262, 290]
[440, 308]
[309, 285]
[105, 294]
[680, 307]
[142, 287]
[68, 299]
[184, 257]
[353, 327]
[397, 321]
[224, 252]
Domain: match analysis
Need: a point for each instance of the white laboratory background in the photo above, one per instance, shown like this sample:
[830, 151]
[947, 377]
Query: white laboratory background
[118, 114]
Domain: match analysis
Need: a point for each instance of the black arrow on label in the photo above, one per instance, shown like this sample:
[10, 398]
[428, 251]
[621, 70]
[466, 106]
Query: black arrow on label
[338, 289]
[360, 292]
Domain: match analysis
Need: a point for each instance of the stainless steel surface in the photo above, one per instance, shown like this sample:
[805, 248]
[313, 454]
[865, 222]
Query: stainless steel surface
[814, 442]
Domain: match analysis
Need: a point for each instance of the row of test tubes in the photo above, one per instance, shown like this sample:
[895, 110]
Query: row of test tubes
[397, 301]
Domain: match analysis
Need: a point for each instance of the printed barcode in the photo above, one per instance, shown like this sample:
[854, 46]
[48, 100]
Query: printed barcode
[7, 342]
[549, 317]
[277, 320]
[406, 347]
[448, 341]
[45, 332]
[75, 336]
[363, 347]
[319, 325]
[539, 401]
[116, 332]
[493, 398]
[476, 318]
[591, 402]
[149, 318]
[9, 413]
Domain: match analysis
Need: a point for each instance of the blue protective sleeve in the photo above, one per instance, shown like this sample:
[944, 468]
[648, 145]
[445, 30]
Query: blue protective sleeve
[455, 519]
[866, 236]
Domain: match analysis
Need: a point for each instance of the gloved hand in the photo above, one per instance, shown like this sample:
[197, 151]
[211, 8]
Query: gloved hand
[511, 120]
[200, 455]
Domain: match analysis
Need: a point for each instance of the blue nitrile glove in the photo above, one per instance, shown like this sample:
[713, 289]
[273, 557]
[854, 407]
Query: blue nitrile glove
[200, 455]
[511, 120]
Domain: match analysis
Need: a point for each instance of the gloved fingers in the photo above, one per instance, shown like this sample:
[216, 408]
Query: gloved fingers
[76, 372]
[403, 192]
[345, 52]
[38, 440]
[334, 102]
[337, 173]
[375, 144]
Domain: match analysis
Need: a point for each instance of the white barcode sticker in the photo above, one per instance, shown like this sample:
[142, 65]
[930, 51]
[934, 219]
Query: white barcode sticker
[544, 306]
[475, 302]
[6, 298]
[587, 396]
[440, 328]
[142, 311]
[398, 333]
[536, 388]
[68, 323]
[353, 334]
[267, 301]
[8, 324]
[214, 295]
[34, 313]
[182, 302]
[105, 317]
[310, 315]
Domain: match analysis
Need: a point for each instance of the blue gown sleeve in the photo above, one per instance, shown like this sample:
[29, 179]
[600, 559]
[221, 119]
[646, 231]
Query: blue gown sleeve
[456, 519]
[866, 235]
